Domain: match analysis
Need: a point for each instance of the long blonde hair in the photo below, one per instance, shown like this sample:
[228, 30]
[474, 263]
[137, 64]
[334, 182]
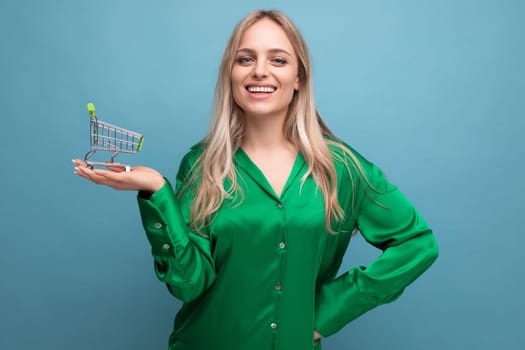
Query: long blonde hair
[303, 127]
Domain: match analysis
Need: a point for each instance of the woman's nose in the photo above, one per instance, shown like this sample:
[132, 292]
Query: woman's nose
[260, 69]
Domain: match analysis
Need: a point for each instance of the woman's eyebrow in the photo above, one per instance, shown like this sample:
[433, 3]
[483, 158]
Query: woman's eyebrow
[252, 51]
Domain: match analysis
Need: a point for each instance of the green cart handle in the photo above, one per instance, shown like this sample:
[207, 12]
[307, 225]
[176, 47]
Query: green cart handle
[91, 110]
[141, 142]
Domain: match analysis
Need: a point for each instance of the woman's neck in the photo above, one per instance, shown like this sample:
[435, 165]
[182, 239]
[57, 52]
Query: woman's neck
[265, 132]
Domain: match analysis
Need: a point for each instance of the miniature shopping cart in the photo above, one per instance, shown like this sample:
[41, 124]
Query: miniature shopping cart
[111, 138]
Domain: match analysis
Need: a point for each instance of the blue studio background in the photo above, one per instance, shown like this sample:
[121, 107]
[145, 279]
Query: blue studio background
[432, 91]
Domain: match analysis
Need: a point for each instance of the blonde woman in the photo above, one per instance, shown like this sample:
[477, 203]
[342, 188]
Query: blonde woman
[254, 233]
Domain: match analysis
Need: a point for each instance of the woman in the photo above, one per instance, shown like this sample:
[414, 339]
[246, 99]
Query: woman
[265, 206]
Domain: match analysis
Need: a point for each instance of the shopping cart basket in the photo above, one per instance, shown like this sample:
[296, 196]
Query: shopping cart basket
[108, 137]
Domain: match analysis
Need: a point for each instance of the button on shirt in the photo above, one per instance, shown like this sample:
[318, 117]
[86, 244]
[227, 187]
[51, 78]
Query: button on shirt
[263, 275]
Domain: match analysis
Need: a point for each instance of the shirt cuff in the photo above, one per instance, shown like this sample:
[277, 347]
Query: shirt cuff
[163, 221]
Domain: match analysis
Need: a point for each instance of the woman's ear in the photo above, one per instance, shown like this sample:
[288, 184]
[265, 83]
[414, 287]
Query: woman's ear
[297, 84]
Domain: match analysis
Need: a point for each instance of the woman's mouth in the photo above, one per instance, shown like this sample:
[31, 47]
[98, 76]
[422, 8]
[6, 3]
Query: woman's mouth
[257, 89]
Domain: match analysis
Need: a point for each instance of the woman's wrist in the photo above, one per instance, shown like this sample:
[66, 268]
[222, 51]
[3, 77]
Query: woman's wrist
[155, 185]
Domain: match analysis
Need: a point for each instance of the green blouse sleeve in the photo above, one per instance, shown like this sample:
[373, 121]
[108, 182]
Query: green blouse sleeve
[387, 220]
[182, 257]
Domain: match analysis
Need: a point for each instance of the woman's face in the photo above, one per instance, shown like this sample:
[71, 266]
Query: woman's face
[264, 74]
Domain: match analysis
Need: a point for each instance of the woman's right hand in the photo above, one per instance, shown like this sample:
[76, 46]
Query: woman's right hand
[139, 178]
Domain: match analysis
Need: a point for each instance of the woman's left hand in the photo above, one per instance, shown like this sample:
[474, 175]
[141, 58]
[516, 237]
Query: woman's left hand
[140, 178]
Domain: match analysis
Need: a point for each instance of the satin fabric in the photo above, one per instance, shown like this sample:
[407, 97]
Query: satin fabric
[264, 277]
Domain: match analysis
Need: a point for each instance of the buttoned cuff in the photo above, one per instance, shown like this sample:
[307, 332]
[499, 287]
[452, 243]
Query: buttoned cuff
[163, 222]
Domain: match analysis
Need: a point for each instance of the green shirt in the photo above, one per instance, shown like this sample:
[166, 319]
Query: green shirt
[265, 277]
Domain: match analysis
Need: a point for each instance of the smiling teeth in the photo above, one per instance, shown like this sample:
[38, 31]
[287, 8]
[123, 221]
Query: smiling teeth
[261, 89]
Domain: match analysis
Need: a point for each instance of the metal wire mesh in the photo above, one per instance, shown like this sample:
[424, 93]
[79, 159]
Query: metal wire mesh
[108, 137]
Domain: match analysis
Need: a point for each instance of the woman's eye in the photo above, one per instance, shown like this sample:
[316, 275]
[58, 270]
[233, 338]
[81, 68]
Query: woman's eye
[245, 60]
[280, 61]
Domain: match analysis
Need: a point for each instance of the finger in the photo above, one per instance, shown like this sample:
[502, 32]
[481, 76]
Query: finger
[108, 174]
[78, 162]
[116, 180]
[85, 172]
[108, 178]
[93, 175]
[104, 177]
[82, 170]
